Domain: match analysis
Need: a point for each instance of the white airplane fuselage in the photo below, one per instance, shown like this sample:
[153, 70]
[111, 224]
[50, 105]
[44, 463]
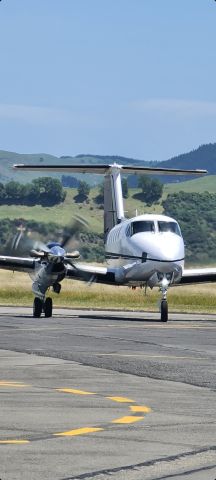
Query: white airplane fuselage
[146, 248]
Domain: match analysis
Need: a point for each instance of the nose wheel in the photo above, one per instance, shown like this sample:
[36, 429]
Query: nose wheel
[164, 304]
[164, 310]
[39, 306]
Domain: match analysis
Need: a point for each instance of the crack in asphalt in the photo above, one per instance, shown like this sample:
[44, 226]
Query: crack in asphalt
[150, 463]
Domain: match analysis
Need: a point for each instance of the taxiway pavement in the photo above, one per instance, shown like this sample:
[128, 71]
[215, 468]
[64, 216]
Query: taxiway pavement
[90, 394]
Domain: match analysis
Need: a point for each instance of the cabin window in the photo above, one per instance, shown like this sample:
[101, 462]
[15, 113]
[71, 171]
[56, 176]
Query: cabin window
[141, 226]
[169, 227]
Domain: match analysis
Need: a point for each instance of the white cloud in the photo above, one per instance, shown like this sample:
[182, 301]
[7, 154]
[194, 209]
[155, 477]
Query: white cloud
[176, 106]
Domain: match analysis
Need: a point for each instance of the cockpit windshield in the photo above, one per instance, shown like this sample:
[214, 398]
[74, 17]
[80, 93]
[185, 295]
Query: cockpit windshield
[141, 226]
[169, 227]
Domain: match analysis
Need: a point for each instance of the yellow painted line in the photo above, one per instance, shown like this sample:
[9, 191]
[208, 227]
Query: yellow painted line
[121, 399]
[74, 391]
[13, 385]
[140, 408]
[78, 431]
[14, 442]
[128, 419]
[10, 381]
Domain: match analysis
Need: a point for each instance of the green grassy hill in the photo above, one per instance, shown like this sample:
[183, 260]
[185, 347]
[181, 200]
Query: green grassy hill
[91, 211]
[199, 185]
[196, 215]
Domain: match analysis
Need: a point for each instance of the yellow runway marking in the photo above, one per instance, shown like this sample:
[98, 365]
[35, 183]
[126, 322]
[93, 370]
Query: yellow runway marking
[128, 419]
[13, 384]
[74, 391]
[14, 442]
[134, 411]
[140, 408]
[121, 399]
[78, 431]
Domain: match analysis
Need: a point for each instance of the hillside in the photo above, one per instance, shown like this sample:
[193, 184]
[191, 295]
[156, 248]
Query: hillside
[93, 212]
[203, 157]
[188, 202]
[7, 159]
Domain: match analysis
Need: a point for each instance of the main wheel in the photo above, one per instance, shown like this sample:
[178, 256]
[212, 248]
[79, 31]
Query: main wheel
[164, 311]
[37, 307]
[48, 307]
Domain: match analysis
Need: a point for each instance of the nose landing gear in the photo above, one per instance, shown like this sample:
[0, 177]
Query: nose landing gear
[164, 311]
[164, 303]
[40, 306]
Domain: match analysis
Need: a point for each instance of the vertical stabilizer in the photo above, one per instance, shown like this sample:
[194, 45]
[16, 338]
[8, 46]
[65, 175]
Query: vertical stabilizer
[113, 199]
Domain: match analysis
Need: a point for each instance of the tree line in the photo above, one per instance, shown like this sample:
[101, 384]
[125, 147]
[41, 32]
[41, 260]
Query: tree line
[43, 191]
[196, 214]
[151, 189]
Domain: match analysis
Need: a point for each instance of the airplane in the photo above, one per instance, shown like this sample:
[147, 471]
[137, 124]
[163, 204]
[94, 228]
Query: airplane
[146, 250]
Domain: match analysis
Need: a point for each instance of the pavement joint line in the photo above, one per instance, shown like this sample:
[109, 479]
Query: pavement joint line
[141, 355]
[127, 419]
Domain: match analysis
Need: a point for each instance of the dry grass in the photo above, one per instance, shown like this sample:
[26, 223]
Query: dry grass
[16, 290]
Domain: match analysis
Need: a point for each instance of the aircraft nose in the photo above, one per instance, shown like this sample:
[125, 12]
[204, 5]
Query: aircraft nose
[168, 247]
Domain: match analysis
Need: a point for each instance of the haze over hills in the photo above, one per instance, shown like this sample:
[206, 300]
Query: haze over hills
[203, 157]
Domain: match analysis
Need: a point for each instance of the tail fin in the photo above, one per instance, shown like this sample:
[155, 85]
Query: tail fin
[110, 213]
[113, 199]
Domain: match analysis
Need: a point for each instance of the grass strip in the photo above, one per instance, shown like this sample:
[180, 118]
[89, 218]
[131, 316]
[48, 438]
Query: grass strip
[16, 290]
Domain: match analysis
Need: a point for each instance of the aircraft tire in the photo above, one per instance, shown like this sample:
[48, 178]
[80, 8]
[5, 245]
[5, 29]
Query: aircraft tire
[37, 307]
[48, 307]
[164, 311]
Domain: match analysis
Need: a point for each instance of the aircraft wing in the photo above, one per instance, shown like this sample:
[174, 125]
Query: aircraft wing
[91, 274]
[198, 275]
[18, 264]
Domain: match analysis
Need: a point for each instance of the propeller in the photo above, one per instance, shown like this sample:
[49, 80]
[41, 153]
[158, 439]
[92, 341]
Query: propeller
[71, 233]
[24, 245]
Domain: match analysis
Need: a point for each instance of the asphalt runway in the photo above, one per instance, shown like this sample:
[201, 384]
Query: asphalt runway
[89, 395]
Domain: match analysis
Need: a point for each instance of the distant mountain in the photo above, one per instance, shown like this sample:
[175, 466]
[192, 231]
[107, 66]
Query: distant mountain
[203, 157]
[7, 159]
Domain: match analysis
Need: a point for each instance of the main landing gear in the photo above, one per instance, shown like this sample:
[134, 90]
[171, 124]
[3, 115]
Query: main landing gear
[39, 306]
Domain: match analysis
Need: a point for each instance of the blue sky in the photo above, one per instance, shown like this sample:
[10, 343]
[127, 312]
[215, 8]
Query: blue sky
[127, 77]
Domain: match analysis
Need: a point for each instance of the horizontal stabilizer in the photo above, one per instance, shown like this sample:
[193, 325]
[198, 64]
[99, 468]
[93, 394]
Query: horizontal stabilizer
[105, 169]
